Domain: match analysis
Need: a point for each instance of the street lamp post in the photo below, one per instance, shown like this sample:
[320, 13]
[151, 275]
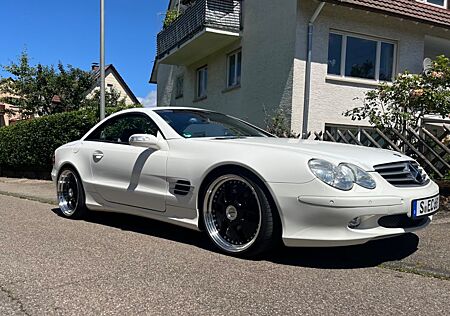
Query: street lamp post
[102, 59]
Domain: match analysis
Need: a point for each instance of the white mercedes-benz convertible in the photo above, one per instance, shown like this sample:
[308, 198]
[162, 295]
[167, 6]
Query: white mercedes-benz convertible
[247, 189]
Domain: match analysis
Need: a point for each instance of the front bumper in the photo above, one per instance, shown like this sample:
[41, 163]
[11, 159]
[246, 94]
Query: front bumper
[54, 175]
[314, 214]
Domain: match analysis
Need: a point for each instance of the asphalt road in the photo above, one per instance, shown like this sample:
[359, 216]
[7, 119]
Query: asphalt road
[116, 264]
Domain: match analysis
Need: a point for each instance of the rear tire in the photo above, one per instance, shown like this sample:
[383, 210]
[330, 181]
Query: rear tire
[237, 215]
[70, 193]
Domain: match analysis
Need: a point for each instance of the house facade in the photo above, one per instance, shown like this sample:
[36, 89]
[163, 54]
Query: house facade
[6, 116]
[113, 81]
[315, 59]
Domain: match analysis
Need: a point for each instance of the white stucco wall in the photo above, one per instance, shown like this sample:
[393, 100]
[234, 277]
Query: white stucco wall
[112, 82]
[330, 98]
[268, 46]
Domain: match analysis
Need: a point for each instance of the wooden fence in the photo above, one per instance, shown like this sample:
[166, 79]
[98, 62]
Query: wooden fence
[431, 148]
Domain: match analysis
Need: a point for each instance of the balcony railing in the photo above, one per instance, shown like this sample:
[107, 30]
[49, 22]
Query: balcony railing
[224, 15]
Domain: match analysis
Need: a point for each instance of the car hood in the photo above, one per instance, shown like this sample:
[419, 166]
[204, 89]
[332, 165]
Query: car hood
[365, 157]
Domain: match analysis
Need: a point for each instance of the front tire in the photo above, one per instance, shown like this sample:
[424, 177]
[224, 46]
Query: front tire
[237, 215]
[70, 192]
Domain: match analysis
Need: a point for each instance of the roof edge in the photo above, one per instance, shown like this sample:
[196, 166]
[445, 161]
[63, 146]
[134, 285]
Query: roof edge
[124, 84]
[390, 13]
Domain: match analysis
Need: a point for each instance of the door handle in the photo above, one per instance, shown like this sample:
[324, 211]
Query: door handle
[97, 156]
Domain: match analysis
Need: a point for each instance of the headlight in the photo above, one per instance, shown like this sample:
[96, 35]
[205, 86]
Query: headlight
[341, 177]
[362, 178]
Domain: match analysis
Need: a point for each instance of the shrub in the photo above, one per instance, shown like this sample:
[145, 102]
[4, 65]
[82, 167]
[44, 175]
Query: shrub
[171, 16]
[408, 99]
[278, 122]
[28, 146]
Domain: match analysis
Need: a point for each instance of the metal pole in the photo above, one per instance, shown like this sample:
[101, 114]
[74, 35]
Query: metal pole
[102, 59]
[307, 94]
[307, 83]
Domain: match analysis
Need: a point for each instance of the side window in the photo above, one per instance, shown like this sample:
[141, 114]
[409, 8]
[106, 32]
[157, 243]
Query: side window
[119, 129]
[202, 82]
[234, 69]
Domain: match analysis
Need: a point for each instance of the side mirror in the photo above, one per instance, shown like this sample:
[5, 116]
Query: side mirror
[144, 140]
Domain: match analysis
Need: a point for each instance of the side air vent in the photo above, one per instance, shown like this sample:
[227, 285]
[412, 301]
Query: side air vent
[403, 174]
[182, 187]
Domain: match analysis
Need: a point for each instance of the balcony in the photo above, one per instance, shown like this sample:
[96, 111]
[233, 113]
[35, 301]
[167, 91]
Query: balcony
[205, 27]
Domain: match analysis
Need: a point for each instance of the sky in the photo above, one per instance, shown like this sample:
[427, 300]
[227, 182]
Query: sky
[68, 31]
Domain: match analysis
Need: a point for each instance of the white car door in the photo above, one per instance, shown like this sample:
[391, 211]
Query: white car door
[124, 174]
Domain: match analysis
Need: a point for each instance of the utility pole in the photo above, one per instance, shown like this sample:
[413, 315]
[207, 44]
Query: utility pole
[102, 59]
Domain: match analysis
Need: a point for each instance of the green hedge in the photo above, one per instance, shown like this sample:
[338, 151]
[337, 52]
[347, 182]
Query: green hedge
[28, 146]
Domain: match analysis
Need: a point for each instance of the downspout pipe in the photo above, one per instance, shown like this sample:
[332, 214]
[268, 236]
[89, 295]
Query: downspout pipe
[308, 70]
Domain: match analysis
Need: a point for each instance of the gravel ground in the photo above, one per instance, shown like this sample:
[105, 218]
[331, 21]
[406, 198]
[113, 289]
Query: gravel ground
[445, 203]
[115, 264]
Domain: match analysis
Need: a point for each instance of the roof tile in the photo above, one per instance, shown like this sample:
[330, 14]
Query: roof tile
[409, 9]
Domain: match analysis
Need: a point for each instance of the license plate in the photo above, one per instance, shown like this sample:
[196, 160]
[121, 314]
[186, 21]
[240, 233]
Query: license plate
[425, 207]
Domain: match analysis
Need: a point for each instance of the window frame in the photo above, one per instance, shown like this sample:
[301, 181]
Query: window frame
[379, 41]
[235, 54]
[445, 4]
[197, 84]
[124, 115]
[199, 112]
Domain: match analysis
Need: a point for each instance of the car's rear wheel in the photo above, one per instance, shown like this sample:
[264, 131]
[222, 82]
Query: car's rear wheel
[70, 192]
[237, 215]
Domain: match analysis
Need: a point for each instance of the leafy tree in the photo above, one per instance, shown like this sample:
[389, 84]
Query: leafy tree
[113, 103]
[33, 88]
[112, 100]
[408, 99]
[72, 85]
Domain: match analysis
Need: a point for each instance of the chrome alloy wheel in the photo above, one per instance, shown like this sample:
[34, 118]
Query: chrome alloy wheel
[68, 192]
[232, 213]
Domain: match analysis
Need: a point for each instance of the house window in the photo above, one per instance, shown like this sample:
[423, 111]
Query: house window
[234, 69]
[202, 82]
[361, 57]
[440, 3]
[179, 87]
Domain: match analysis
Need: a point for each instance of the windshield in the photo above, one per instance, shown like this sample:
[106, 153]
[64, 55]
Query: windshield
[194, 124]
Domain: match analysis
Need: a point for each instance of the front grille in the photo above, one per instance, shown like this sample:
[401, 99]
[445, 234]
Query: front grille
[401, 221]
[403, 174]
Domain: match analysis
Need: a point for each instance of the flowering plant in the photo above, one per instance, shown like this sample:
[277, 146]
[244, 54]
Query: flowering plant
[409, 98]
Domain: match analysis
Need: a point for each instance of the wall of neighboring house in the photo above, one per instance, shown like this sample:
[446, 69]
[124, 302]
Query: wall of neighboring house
[8, 119]
[112, 82]
[268, 46]
[2, 115]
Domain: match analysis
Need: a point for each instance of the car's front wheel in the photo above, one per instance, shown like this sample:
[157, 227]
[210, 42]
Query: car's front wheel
[70, 192]
[237, 215]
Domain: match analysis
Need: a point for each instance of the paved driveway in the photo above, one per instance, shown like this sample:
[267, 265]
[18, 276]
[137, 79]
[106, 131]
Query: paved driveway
[117, 264]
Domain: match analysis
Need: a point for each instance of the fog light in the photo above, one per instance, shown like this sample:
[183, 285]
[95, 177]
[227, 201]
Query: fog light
[354, 222]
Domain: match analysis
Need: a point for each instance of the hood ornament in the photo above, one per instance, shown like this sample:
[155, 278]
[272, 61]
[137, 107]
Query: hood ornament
[415, 173]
